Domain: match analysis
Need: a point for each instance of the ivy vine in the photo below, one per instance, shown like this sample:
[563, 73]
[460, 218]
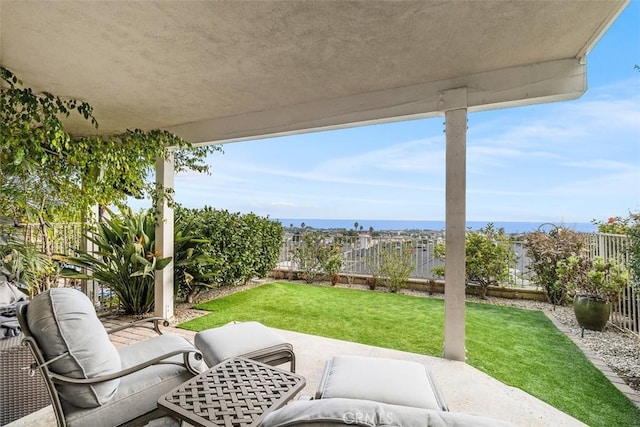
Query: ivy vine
[47, 174]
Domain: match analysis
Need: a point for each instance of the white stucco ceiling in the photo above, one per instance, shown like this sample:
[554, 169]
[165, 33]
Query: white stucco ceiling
[224, 70]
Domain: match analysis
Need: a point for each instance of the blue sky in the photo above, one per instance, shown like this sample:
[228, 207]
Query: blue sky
[563, 162]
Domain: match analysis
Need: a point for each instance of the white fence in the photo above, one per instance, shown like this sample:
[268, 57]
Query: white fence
[626, 310]
[61, 239]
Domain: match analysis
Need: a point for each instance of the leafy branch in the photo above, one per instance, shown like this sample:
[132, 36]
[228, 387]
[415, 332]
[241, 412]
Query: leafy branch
[49, 175]
[47, 172]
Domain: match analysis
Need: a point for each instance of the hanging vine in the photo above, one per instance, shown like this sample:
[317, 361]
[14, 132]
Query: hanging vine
[49, 175]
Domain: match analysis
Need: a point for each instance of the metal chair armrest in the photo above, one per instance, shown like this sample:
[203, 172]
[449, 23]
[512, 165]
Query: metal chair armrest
[142, 324]
[62, 379]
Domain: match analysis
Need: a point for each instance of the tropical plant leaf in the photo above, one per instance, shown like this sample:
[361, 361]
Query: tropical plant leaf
[125, 259]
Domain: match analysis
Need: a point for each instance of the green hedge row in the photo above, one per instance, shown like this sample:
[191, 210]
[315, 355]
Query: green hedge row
[231, 248]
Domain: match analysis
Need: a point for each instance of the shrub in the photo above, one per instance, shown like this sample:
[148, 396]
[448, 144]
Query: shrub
[545, 250]
[629, 226]
[126, 259]
[487, 260]
[237, 248]
[613, 225]
[315, 256]
[592, 277]
[191, 267]
[391, 264]
[22, 265]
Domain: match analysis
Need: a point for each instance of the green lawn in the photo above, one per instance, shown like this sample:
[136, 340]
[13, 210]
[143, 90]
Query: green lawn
[521, 348]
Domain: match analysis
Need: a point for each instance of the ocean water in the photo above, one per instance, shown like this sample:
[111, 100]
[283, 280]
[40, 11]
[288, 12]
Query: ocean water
[510, 227]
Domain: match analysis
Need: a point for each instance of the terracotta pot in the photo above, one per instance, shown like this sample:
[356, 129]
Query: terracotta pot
[591, 312]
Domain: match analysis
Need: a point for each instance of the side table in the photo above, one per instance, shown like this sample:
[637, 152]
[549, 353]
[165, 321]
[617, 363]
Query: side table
[238, 392]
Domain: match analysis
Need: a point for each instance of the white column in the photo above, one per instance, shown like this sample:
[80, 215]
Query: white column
[454, 104]
[164, 241]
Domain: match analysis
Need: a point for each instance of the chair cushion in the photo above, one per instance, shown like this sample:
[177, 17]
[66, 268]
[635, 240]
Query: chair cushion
[63, 319]
[250, 339]
[367, 413]
[137, 395]
[397, 382]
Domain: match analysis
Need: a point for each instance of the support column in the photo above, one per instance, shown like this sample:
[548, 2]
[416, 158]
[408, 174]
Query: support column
[454, 104]
[164, 240]
[90, 287]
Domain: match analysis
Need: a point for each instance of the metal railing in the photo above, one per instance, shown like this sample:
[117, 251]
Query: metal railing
[61, 239]
[361, 253]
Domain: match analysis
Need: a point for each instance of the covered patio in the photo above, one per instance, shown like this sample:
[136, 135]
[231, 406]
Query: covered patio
[227, 71]
[466, 389]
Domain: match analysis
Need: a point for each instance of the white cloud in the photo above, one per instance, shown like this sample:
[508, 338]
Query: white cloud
[601, 164]
[574, 160]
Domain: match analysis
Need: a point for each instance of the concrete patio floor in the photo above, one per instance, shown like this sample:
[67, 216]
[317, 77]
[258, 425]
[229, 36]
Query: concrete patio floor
[465, 388]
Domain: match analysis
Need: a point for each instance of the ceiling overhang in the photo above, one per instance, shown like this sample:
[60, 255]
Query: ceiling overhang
[547, 82]
[227, 70]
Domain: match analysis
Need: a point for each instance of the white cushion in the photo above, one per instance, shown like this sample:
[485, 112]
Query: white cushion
[398, 382]
[367, 413]
[237, 339]
[64, 320]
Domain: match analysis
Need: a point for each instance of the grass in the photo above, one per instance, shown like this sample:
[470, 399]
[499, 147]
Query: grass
[521, 348]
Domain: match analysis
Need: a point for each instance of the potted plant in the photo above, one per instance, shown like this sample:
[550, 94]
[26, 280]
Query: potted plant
[596, 283]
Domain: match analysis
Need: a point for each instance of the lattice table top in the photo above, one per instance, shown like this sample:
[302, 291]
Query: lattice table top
[238, 392]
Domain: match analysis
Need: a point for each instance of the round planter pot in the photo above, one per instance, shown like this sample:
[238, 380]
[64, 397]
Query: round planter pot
[591, 312]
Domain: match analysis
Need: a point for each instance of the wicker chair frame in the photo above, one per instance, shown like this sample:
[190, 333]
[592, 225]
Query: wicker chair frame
[22, 391]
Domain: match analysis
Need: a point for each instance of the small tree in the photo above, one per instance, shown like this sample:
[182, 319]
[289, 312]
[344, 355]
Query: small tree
[545, 250]
[315, 256]
[331, 261]
[488, 258]
[391, 264]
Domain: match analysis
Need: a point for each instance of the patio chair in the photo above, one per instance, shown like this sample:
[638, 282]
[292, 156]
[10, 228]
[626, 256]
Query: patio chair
[90, 382]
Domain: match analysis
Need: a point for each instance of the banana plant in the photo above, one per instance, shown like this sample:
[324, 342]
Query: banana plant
[125, 261]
